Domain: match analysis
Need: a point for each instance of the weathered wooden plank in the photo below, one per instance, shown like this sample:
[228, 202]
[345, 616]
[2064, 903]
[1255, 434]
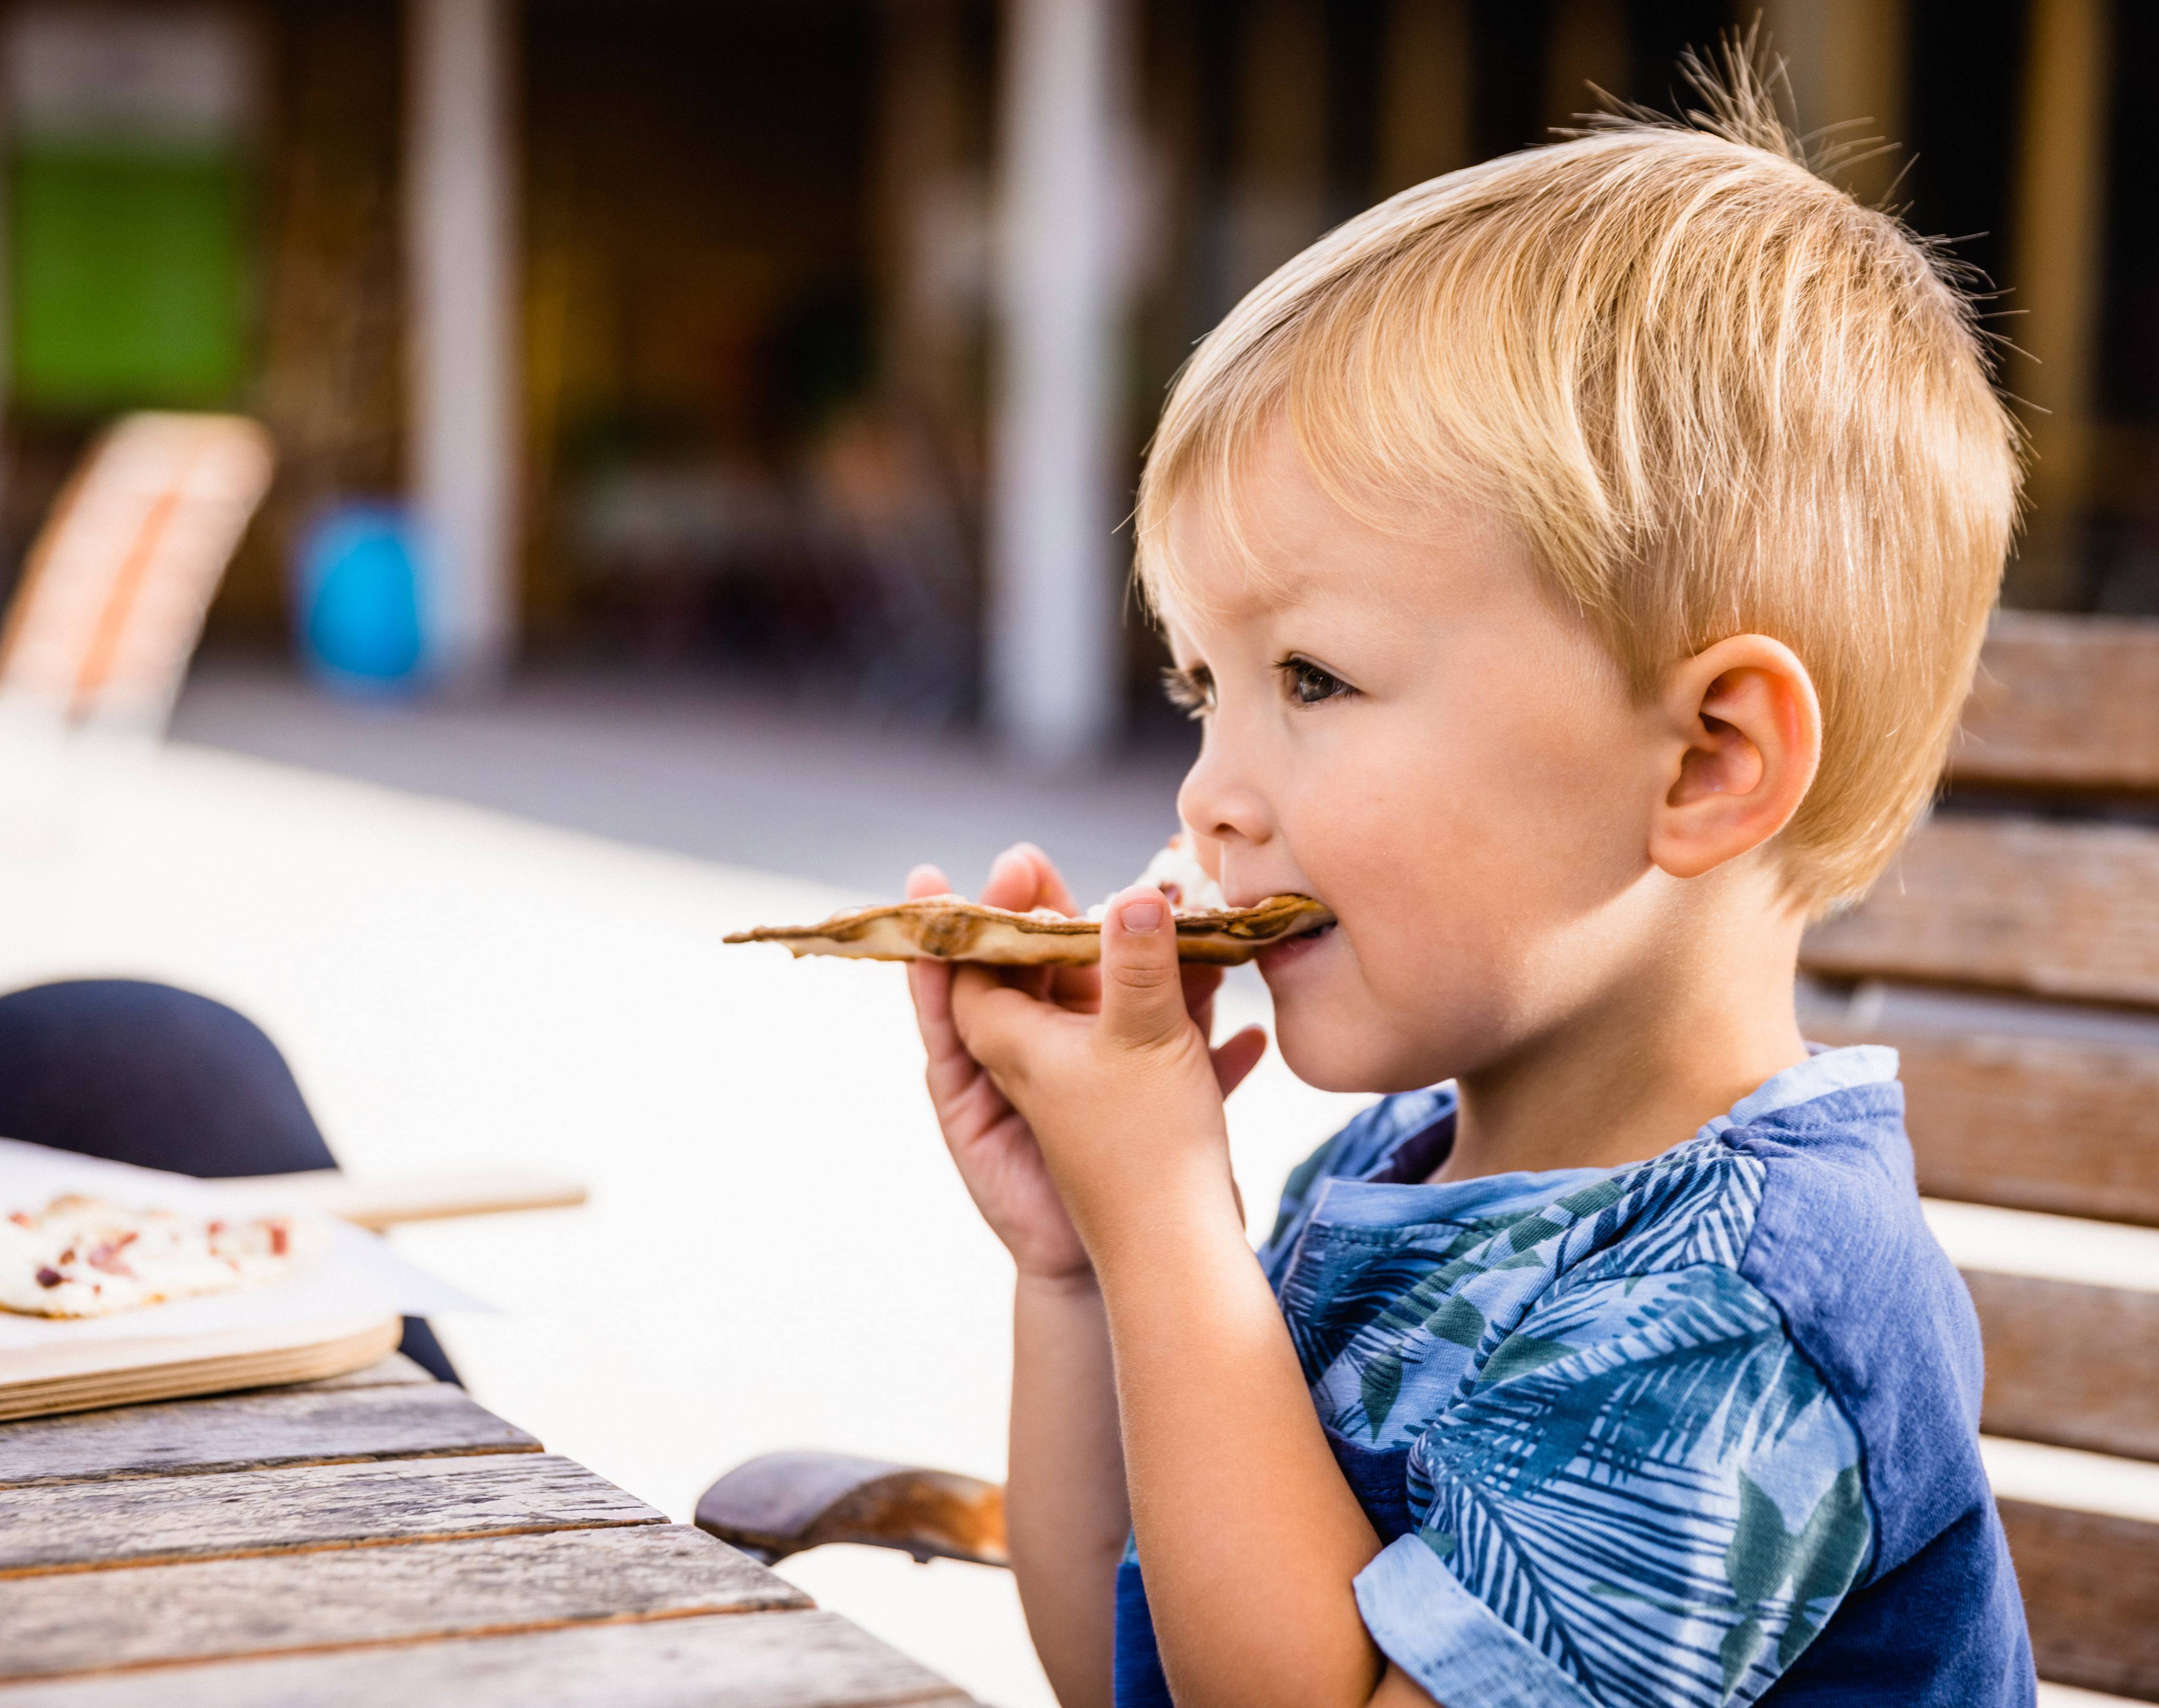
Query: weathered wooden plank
[2009, 903]
[396, 1371]
[97, 1621]
[2091, 1595]
[2064, 702]
[128, 1520]
[2033, 1123]
[236, 1433]
[2077, 1366]
[801, 1659]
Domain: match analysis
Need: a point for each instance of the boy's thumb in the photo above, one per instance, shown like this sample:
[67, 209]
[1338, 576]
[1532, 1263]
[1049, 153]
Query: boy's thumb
[1143, 996]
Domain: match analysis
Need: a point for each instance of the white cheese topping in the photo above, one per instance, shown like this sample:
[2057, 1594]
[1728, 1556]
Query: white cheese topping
[1176, 872]
[82, 1257]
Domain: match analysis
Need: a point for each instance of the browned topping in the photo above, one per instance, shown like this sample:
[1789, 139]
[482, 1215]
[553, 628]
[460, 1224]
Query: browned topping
[279, 1239]
[945, 928]
[106, 1257]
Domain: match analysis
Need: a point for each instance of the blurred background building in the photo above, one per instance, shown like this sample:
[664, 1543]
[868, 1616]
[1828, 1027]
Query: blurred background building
[817, 341]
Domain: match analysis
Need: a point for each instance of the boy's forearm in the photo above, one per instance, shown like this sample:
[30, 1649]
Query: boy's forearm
[1066, 1514]
[1249, 1534]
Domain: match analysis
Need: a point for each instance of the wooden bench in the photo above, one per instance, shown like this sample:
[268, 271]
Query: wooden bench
[2013, 958]
[115, 589]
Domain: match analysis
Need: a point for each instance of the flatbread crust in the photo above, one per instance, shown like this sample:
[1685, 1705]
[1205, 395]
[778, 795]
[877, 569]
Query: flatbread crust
[947, 927]
[82, 1257]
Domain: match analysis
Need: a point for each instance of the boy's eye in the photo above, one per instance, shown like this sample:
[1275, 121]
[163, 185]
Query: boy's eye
[1190, 691]
[1309, 683]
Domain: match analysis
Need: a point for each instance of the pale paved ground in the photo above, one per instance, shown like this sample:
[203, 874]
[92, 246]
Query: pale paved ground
[724, 772]
[776, 1253]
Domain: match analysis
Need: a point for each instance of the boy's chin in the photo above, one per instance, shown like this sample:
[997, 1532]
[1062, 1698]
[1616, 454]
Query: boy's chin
[1329, 1054]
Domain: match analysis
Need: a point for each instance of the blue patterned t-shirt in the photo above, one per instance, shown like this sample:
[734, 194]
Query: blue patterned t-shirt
[1694, 1431]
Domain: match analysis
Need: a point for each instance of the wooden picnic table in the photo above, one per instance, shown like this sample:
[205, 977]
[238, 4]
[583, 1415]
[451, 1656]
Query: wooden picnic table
[376, 1538]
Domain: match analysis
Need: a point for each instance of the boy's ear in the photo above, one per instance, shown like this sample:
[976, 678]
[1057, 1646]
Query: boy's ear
[1742, 734]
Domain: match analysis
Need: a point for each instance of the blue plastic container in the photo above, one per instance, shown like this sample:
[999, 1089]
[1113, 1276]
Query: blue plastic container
[357, 601]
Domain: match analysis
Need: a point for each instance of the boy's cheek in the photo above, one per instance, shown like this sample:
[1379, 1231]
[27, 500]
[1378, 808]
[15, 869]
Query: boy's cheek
[1393, 1022]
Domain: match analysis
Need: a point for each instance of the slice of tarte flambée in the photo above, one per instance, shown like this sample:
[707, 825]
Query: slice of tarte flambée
[950, 928]
[83, 1257]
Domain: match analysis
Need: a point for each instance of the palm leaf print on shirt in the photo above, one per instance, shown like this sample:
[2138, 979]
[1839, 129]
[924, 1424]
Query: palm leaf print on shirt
[1455, 1302]
[1817, 1563]
[1616, 1490]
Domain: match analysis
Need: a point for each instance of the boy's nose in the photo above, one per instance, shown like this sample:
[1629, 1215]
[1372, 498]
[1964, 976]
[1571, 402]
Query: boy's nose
[1215, 802]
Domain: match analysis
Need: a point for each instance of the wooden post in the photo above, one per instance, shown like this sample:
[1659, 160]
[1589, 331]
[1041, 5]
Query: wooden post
[1424, 98]
[460, 196]
[2056, 233]
[1587, 53]
[1845, 60]
[1056, 495]
[1279, 203]
[927, 243]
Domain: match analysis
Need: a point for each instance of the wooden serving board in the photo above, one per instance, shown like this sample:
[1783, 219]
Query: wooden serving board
[81, 1375]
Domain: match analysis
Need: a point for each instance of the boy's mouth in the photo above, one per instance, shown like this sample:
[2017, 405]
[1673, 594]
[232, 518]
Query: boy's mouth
[1293, 948]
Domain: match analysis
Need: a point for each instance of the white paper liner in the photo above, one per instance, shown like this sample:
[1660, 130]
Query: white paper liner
[354, 1274]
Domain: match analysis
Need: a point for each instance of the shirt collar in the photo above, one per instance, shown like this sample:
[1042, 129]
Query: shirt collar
[1824, 1071]
[1416, 1152]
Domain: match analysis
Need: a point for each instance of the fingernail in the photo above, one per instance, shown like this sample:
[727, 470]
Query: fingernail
[1142, 915]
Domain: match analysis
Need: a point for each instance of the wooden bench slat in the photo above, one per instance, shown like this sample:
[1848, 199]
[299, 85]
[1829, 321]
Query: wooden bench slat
[2091, 1595]
[2073, 1365]
[2030, 1123]
[793, 1659]
[2065, 910]
[97, 1621]
[2103, 1254]
[127, 1520]
[2064, 702]
[244, 1431]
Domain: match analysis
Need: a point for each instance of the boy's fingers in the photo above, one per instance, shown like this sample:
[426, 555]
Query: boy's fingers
[1200, 982]
[985, 1012]
[1237, 1058]
[1012, 881]
[1078, 988]
[1142, 993]
[1050, 890]
[930, 983]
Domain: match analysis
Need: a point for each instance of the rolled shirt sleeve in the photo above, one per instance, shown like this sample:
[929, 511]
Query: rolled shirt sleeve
[1462, 1653]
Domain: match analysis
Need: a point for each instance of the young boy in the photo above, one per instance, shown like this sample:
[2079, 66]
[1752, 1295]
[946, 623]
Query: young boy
[1578, 564]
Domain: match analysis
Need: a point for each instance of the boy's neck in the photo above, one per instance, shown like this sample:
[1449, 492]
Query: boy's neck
[1640, 1069]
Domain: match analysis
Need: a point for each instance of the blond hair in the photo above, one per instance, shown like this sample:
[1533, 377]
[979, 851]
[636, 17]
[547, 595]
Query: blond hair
[1716, 394]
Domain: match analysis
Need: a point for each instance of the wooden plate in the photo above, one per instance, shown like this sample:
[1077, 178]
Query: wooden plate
[80, 1375]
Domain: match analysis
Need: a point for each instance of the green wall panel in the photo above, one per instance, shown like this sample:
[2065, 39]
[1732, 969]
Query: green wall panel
[128, 279]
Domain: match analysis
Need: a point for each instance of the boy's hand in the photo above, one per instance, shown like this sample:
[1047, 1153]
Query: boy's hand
[1121, 1094]
[996, 1154]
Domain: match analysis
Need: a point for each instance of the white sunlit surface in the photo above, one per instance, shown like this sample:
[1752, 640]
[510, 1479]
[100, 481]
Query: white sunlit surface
[776, 1253]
